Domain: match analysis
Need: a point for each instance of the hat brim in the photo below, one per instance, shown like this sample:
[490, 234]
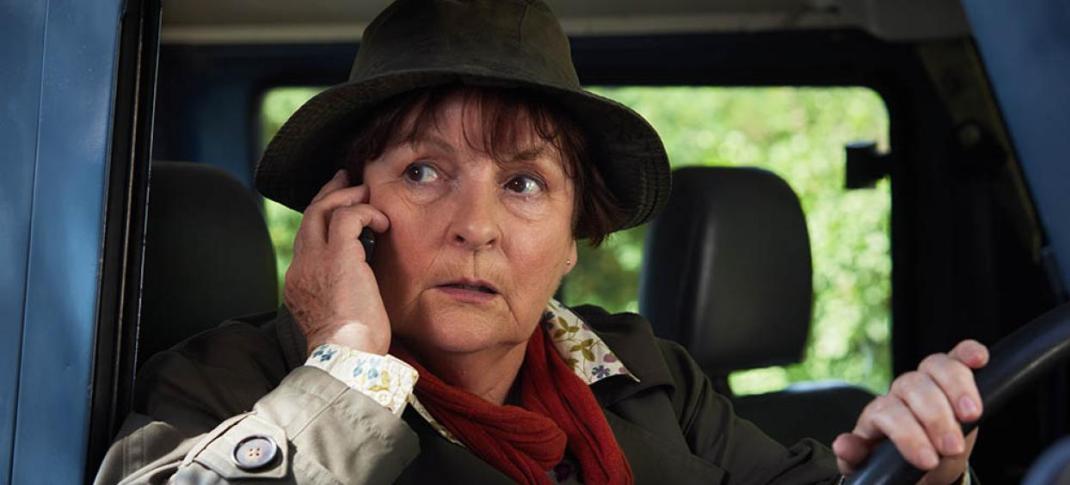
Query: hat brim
[309, 147]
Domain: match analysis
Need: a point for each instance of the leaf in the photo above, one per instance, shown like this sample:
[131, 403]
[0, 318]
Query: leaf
[587, 354]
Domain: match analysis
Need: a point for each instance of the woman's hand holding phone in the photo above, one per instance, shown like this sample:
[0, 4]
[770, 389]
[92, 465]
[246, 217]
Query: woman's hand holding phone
[330, 288]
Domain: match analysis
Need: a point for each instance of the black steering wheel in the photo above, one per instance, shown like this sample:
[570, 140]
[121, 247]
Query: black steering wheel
[1015, 361]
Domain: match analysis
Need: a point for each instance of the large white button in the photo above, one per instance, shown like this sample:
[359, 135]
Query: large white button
[255, 452]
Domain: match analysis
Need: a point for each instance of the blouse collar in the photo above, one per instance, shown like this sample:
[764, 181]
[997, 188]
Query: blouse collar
[583, 350]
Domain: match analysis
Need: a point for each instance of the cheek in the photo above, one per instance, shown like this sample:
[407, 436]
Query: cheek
[406, 250]
[409, 241]
[537, 254]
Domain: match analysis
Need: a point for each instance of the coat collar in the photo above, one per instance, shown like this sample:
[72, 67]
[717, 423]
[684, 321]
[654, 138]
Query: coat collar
[633, 341]
[616, 354]
[629, 339]
[582, 347]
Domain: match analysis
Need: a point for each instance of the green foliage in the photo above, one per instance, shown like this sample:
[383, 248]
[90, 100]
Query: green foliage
[282, 221]
[798, 133]
[282, 224]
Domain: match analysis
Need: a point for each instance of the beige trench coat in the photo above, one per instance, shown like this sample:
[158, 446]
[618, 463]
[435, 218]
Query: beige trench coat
[196, 403]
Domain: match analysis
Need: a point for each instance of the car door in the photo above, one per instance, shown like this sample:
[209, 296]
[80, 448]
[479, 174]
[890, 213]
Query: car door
[77, 83]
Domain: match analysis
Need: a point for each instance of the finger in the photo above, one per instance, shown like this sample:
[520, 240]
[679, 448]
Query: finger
[851, 450]
[356, 194]
[888, 416]
[970, 352]
[347, 223]
[338, 181]
[314, 223]
[958, 385]
[930, 406]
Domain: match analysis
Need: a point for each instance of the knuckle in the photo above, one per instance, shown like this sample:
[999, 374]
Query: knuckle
[876, 405]
[933, 419]
[904, 385]
[961, 376]
[888, 403]
[890, 423]
[348, 214]
[881, 408]
[956, 381]
[315, 207]
[327, 202]
[932, 363]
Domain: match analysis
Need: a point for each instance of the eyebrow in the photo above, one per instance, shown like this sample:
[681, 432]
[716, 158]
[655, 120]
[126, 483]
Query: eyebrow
[529, 154]
[435, 141]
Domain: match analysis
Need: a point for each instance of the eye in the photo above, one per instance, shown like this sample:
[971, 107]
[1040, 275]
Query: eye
[524, 184]
[421, 173]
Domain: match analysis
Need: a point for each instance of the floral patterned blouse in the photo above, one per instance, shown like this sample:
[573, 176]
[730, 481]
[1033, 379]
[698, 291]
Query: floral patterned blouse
[390, 381]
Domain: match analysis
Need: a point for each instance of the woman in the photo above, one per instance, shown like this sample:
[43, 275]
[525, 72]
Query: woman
[464, 141]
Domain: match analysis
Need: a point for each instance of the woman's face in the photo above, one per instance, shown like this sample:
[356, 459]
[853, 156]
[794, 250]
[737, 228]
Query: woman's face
[476, 246]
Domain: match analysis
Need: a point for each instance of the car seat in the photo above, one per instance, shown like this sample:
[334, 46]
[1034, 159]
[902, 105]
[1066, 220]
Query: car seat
[208, 255]
[727, 273]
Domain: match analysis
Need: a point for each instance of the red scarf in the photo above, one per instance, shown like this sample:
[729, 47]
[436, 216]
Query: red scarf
[526, 442]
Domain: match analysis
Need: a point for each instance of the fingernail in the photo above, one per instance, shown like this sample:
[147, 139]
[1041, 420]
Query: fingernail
[967, 407]
[952, 444]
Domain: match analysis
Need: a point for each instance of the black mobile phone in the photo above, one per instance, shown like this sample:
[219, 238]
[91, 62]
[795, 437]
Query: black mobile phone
[367, 239]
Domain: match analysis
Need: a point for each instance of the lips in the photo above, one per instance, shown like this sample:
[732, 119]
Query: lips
[471, 285]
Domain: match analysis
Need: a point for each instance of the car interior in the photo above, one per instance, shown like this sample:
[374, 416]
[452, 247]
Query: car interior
[727, 268]
[727, 264]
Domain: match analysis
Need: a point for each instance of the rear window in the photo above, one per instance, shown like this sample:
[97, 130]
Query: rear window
[797, 133]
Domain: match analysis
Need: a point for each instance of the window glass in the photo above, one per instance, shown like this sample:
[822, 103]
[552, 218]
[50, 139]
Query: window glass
[797, 133]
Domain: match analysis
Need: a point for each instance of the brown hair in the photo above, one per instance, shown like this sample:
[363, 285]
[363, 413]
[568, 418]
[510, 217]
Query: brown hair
[504, 111]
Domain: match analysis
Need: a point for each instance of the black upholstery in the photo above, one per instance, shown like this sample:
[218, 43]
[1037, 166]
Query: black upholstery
[726, 269]
[727, 273]
[819, 410]
[208, 255]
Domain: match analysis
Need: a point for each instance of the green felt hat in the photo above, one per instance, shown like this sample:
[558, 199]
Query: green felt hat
[416, 44]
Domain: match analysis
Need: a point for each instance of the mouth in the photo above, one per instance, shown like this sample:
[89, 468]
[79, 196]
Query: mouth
[471, 285]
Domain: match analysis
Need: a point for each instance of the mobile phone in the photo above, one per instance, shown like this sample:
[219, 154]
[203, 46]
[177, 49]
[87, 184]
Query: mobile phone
[367, 239]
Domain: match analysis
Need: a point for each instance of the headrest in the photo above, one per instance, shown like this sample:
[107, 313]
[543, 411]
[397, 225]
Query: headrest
[208, 255]
[726, 270]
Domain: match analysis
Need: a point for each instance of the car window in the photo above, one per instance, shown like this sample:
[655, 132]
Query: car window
[798, 133]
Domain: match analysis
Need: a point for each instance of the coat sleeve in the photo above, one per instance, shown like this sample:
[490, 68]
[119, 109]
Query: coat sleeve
[193, 421]
[715, 433]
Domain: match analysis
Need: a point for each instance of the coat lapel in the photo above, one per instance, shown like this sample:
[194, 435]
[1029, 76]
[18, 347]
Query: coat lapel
[441, 461]
[653, 460]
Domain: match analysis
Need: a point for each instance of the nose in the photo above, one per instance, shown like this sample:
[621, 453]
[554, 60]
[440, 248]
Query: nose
[476, 224]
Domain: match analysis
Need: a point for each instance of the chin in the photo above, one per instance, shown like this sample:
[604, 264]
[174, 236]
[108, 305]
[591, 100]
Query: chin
[462, 329]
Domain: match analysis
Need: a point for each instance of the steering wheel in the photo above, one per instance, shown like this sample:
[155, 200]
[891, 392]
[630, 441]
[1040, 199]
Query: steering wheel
[1015, 361]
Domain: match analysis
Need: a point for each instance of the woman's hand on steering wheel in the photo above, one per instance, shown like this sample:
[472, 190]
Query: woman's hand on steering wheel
[330, 288]
[921, 415]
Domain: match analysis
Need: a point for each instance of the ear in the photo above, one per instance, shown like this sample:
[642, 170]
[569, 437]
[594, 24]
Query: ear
[571, 259]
